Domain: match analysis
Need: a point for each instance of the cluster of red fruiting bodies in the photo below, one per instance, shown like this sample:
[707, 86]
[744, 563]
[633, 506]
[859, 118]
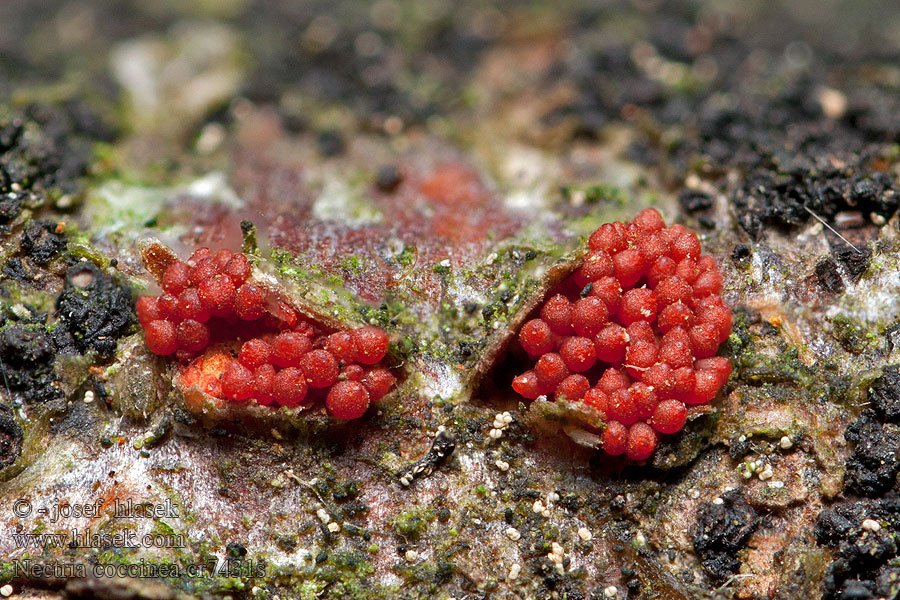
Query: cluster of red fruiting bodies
[284, 359]
[642, 316]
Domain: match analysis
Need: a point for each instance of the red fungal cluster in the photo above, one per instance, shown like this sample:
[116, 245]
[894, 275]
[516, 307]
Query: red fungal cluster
[283, 360]
[642, 318]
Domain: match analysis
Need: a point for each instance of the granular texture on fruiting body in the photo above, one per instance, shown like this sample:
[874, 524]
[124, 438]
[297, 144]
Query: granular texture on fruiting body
[638, 343]
[272, 356]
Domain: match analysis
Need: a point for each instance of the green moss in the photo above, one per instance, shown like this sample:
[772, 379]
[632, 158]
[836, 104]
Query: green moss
[410, 524]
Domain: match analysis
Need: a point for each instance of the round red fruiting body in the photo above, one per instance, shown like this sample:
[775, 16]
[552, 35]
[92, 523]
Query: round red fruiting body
[669, 417]
[597, 398]
[608, 237]
[320, 368]
[175, 278]
[347, 400]
[217, 295]
[629, 267]
[237, 268]
[640, 331]
[675, 354]
[237, 382]
[536, 338]
[527, 385]
[578, 353]
[192, 335]
[254, 353]
[589, 315]
[198, 255]
[221, 258]
[649, 220]
[551, 369]
[597, 264]
[147, 309]
[249, 302]
[638, 304]
[572, 388]
[342, 345]
[672, 289]
[160, 337]
[557, 313]
[644, 398]
[674, 315]
[263, 380]
[288, 348]
[378, 383]
[352, 372]
[641, 442]
[289, 387]
[190, 307]
[614, 438]
[610, 343]
[622, 407]
[204, 270]
[371, 344]
[609, 290]
[612, 380]
[639, 357]
[167, 304]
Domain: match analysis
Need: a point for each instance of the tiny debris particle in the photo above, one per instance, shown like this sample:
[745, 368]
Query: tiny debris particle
[871, 525]
[584, 533]
[334, 527]
[611, 591]
[786, 443]
[443, 446]
[514, 571]
[412, 555]
[6, 591]
[513, 534]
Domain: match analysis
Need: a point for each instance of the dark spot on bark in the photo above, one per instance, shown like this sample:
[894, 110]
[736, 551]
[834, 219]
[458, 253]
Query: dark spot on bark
[863, 557]
[235, 550]
[722, 530]
[330, 143]
[41, 243]
[740, 252]
[885, 394]
[10, 437]
[854, 261]
[95, 314]
[388, 178]
[692, 201]
[873, 466]
[829, 276]
[15, 269]
[27, 363]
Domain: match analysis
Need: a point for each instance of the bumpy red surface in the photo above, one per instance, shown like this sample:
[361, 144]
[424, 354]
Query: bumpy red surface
[283, 359]
[638, 342]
